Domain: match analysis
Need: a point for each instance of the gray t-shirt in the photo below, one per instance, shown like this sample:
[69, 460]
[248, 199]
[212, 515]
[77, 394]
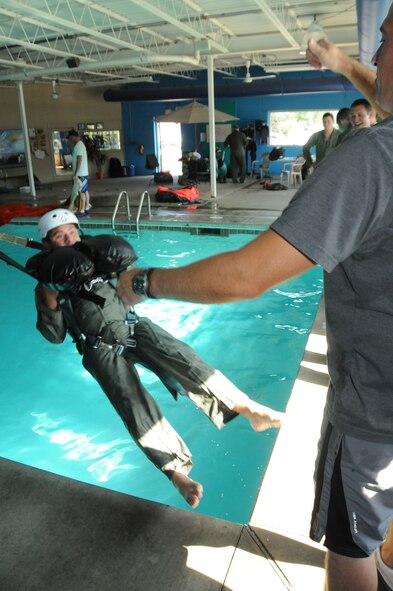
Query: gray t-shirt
[342, 218]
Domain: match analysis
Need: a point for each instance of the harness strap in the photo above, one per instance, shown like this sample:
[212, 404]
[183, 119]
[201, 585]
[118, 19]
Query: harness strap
[71, 324]
[92, 297]
[92, 341]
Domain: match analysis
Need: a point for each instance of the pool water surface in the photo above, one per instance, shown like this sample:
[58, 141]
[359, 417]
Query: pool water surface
[55, 417]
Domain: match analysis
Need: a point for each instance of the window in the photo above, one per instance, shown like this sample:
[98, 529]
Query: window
[111, 139]
[295, 127]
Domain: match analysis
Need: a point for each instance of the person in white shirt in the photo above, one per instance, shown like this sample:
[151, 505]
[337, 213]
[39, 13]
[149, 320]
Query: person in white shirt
[80, 168]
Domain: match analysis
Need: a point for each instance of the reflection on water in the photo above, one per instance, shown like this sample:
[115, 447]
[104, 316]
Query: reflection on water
[292, 328]
[294, 295]
[81, 448]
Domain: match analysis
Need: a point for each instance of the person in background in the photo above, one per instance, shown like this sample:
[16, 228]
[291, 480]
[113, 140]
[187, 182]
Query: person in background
[324, 141]
[237, 142]
[340, 218]
[343, 121]
[325, 54]
[80, 169]
[76, 293]
[362, 114]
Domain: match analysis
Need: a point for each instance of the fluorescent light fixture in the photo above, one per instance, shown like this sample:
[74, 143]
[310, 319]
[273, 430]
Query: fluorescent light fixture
[55, 94]
[315, 31]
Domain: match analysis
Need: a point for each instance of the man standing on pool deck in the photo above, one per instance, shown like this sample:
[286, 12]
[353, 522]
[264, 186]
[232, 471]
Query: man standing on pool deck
[326, 54]
[80, 168]
[112, 341]
[345, 223]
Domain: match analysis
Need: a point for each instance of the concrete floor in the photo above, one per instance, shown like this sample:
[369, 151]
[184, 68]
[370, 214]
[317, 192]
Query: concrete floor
[60, 534]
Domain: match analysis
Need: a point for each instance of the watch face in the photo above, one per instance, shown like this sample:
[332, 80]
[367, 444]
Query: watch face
[139, 284]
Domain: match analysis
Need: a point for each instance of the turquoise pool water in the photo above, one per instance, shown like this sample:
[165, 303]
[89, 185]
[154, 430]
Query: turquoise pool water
[54, 416]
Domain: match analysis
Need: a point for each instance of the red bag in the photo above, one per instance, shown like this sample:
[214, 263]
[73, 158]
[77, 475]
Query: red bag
[170, 195]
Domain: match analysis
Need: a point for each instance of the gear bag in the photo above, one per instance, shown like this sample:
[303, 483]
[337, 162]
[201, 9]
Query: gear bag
[163, 177]
[170, 195]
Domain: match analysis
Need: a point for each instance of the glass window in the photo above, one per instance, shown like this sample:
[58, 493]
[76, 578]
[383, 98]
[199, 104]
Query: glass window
[293, 128]
[111, 139]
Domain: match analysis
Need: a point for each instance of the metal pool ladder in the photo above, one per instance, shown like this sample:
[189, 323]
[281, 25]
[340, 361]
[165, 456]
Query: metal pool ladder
[138, 214]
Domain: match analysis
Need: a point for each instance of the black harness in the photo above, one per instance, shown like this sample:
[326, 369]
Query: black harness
[92, 341]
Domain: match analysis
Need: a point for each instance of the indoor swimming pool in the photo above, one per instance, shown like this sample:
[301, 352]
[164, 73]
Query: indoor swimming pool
[55, 417]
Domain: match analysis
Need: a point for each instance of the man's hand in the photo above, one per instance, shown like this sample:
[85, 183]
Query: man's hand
[124, 287]
[50, 298]
[324, 54]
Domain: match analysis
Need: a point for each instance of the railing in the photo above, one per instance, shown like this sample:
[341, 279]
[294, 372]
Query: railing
[121, 194]
[138, 214]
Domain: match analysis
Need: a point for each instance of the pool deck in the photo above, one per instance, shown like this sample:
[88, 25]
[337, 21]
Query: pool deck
[60, 534]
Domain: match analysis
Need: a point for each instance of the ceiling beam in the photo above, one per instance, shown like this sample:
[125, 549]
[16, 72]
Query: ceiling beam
[125, 61]
[184, 27]
[263, 5]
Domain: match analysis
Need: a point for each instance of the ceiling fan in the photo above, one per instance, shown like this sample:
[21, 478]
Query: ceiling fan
[247, 79]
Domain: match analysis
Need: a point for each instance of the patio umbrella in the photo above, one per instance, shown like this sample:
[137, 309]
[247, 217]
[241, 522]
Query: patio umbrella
[194, 113]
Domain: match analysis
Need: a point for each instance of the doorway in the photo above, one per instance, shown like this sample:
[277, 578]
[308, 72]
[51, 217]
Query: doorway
[61, 153]
[169, 144]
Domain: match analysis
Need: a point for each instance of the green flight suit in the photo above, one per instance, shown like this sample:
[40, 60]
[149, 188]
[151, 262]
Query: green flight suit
[174, 362]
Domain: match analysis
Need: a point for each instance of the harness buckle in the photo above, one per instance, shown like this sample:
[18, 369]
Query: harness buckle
[93, 342]
[118, 349]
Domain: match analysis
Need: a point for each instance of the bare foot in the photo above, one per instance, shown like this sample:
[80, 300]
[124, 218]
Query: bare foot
[260, 417]
[189, 489]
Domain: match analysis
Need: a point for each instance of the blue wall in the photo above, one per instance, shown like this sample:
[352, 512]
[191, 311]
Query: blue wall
[138, 118]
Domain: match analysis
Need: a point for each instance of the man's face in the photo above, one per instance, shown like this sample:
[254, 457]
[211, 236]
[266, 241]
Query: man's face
[328, 123]
[64, 235]
[383, 59]
[360, 117]
[73, 139]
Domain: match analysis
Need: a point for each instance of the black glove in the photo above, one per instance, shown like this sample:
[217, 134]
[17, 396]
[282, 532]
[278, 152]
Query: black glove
[111, 254]
[65, 269]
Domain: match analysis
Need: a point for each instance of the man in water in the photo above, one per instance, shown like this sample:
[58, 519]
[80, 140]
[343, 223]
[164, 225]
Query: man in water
[344, 222]
[112, 340]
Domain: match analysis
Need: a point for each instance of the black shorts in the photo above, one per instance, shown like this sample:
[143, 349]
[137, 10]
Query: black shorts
[354, 494]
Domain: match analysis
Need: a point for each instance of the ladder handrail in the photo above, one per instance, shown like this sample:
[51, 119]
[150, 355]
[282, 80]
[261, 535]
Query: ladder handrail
[138, 215]
[117, 207]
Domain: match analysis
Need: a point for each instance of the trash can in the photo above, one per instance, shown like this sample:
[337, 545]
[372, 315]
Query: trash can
[132, 170]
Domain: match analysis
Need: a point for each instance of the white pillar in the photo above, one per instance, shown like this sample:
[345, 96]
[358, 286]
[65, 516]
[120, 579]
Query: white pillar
[212, 127]
[29, 163]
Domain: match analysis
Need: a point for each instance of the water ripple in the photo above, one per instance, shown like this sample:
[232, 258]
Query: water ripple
[80, 447]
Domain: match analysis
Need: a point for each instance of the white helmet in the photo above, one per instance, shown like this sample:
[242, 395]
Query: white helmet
[55, 218]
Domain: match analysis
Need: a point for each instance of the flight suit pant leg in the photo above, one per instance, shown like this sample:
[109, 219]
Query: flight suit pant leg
[241, 158]
[183, 372]
[140, 413]
[234, 166]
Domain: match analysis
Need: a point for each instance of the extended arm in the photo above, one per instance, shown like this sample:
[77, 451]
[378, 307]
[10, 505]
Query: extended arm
[325, 54]
[231, 276]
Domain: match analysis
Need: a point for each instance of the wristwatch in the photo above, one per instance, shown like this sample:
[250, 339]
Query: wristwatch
[140, 283]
